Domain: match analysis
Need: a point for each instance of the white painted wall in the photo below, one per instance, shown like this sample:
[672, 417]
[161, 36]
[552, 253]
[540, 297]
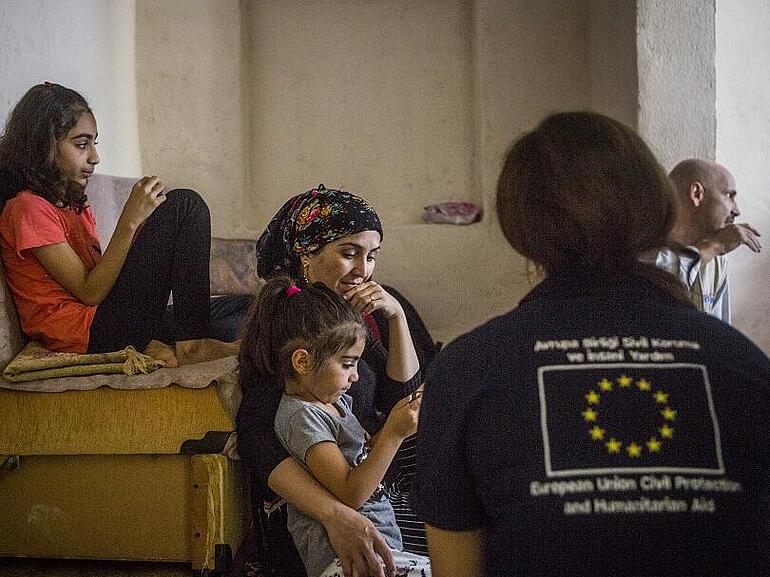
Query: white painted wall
[677, 78]
[743, 145]
[87, 45]
[192, 127]
[375, 97]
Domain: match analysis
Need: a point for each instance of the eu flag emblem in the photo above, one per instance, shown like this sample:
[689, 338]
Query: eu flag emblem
[628, 418]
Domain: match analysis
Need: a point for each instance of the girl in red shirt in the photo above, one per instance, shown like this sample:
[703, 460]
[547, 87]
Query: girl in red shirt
[71, 295]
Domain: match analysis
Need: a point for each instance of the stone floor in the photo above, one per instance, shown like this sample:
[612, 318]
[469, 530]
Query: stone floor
[71, 568]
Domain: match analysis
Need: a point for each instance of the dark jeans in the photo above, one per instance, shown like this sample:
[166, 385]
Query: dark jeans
[227, 314]
[170, 254]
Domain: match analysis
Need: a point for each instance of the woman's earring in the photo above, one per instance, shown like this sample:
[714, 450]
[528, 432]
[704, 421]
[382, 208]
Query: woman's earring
[305, 267]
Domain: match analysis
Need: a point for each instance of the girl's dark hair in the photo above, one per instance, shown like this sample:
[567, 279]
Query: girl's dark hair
[584, 192]
[316, 319]
[28, 146]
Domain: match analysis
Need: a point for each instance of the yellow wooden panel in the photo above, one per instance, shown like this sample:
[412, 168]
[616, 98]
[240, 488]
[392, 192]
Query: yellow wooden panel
[99, 507]
[135, 507]
[220, 506]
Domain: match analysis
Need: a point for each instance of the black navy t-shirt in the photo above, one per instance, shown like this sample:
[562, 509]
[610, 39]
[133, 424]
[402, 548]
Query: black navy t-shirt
[601, 428]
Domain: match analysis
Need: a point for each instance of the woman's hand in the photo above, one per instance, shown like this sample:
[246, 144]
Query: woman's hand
[402, 363]
[146, 195]
[370, 296]
[355, 540]
[359, 545]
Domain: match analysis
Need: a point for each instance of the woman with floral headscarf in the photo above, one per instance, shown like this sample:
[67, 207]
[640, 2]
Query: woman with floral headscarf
[333, 237]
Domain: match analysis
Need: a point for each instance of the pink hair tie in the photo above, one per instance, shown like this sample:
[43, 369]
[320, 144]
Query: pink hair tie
[292, 290]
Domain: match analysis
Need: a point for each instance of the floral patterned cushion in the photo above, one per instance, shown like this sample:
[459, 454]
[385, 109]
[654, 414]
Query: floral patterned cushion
[233, 267]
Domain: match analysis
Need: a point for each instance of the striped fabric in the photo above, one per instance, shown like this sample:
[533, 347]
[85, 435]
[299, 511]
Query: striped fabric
[398, 488]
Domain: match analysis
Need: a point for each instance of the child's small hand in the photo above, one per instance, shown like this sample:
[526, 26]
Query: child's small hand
[146, 195]
[403, 418]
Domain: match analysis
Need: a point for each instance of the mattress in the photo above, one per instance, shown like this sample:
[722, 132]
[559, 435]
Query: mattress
[109, 421]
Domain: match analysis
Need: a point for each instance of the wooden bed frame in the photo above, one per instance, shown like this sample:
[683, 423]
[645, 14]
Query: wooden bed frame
[120, 474]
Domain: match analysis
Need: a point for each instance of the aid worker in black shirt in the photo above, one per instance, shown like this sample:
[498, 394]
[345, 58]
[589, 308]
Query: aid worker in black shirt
[604, 426]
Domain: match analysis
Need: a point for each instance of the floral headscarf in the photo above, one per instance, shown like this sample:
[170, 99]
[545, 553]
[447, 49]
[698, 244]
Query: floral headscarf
[308, 222]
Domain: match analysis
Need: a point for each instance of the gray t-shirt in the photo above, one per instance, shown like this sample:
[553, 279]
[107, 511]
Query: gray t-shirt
[299, 426]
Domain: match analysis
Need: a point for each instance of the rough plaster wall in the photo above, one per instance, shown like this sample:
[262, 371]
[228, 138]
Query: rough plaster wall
[193, 131]
[677, 78]
[529, 60]
[418, 104]
[87, 45]
[405, 102]
[614, 82]
[743, 145]
[375, 97]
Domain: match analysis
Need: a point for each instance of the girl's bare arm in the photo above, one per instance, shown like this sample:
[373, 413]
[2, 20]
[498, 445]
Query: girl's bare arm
[91, 287]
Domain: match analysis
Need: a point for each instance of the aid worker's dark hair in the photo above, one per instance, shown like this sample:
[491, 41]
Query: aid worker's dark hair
[584, 192]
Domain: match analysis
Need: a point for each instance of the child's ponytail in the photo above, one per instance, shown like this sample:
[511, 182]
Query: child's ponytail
[285, 317]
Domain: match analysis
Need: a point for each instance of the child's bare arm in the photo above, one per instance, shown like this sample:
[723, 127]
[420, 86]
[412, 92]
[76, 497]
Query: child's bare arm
[91, 287]
[354, 485]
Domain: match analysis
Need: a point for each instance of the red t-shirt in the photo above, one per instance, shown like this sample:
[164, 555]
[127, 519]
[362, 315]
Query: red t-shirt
[48, 312]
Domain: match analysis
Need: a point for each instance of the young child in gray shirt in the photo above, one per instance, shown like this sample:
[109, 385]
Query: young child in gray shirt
[311, 339]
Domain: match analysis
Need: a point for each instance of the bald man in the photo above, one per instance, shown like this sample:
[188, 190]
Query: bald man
[704, 232]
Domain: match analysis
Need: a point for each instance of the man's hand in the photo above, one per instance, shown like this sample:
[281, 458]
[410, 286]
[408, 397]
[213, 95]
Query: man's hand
[734, 235]
[727, 239]
[361, 548]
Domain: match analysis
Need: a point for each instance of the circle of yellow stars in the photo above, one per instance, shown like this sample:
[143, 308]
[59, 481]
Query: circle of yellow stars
[634, 448]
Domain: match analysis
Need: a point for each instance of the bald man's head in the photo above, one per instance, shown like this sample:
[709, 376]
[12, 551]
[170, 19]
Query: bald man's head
[705, 199]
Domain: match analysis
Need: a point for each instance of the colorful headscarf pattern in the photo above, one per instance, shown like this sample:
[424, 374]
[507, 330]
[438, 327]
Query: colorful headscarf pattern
[308, 222]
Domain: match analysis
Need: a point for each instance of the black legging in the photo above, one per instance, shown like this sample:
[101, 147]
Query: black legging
[170, 254]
